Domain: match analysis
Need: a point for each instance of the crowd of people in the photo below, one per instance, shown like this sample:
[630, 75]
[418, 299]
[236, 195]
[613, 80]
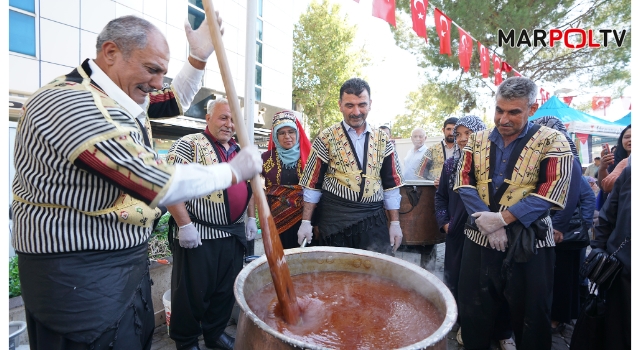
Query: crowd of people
[507, 197]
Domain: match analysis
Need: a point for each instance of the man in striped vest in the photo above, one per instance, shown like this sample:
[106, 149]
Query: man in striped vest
[211, 240]
[509, 178]
[88, 184]
[354, 175]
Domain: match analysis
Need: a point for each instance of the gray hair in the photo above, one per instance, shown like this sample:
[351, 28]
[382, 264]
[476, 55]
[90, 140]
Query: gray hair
[127, 32]
[419, 129]
[212, 103]
[518, 87]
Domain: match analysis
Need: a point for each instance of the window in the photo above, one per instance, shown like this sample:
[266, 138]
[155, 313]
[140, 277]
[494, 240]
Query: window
[195, 13]
[259, 28]
[22, 27]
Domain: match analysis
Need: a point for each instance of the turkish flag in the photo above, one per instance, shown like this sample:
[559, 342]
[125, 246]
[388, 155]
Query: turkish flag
[497, 70]
[443, 28]
[419, 16]
[385, 9]
[484, 60]
[543, 96]
[506, 67]
[465, 49]
[600, 102]
[568, 99]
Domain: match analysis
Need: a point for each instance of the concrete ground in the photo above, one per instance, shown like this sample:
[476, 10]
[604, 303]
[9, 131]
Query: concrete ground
[161, 340]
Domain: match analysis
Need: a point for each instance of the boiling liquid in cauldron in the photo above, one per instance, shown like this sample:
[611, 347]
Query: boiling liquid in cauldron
[348, 310]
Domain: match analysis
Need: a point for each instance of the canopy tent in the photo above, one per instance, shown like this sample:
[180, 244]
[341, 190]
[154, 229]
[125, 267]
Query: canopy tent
[624, 121]
[577, 121]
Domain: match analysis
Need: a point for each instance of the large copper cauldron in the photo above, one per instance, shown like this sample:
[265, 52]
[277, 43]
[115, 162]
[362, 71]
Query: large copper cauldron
[253, 333]
[418, 214]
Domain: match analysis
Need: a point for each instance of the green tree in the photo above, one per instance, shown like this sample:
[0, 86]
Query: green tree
[607, 68]
[323, 59]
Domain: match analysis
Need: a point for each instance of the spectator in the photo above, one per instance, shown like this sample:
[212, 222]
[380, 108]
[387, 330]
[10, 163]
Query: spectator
[592, 169]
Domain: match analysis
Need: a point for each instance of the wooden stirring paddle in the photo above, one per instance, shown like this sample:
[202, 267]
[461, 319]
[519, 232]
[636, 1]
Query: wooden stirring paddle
[272, 245]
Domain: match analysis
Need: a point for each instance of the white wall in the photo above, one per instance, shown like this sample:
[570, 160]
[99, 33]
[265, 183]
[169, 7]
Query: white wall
[66, 32]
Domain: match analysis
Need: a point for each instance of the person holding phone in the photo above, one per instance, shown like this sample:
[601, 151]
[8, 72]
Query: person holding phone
[612, 163]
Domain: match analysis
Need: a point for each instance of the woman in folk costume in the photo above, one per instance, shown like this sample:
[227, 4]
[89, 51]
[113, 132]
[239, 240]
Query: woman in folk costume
[282, 168]
[577, 213]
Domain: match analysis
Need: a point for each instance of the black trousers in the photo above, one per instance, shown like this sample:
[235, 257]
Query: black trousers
[528, 293]
[375, 238]
[618, 313]
[202, 289]
[454, 244]
[566, 286]
[133, 331]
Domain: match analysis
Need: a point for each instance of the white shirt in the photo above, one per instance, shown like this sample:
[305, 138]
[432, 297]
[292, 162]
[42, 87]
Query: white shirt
[391, 197]
[412, 161]
[189, 180]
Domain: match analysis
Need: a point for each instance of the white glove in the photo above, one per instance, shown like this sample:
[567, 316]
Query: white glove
[189, 236]
[498, 240]
[200, 43]
[246, 164]
[250, 229]
[305, 232]
[488, 221]
[395, 235]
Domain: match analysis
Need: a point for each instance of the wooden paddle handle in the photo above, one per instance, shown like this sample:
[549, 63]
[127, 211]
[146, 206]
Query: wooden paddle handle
[272, 244]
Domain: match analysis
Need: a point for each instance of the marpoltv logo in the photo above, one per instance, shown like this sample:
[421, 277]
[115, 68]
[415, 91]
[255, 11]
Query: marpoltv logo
[572, 38]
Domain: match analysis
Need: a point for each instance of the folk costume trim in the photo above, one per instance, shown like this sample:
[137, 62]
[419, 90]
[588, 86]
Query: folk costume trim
[542, 169]
[94, 152]
[198, 148]
[333, 166]
[430, 166]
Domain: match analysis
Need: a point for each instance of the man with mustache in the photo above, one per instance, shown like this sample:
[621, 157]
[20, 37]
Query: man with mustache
[88, 185]
[210, 238]
[430, 166]
[353, 176]
[509, 178]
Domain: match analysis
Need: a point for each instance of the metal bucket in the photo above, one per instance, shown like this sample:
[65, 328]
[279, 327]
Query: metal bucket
[253, 333]
[418, 214]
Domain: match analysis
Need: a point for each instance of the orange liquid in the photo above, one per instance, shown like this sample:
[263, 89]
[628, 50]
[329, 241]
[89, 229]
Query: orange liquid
[346, 310]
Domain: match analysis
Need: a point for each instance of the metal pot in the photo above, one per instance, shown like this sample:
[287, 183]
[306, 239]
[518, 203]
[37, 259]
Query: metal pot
[253, 333]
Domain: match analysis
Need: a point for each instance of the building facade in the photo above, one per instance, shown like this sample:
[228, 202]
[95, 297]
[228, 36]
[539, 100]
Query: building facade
[48, 38]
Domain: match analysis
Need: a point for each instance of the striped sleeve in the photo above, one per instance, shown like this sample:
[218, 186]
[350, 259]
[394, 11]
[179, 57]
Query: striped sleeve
[555, 172]
[181, 152]
[390, 172]
[421, 170]
[164, 104]
[465, 175]
[316, 167]
[102, 141]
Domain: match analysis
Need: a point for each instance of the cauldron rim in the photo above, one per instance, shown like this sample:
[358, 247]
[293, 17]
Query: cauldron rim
[450, 316]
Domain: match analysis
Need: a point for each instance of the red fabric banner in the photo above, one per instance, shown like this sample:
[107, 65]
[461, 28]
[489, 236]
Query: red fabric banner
[568, 99]
[497, 69]
[484, 60]
[600, 102]
[385, 9]
[506, 67]
[543, 96]
[419, 16]
[443, 28]
[465, 49]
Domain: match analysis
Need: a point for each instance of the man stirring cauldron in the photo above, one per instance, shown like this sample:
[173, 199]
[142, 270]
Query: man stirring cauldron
[353, 175]
[88, 184]
[508, 178]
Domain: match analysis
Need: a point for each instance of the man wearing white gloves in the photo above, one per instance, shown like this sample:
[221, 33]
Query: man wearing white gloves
[509, 178]
[212, 235]
[84, 212]
[353, 175]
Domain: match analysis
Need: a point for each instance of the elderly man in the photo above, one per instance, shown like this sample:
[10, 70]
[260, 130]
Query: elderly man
[354, 175]
[430, 166]
[211, 237]
[88, 183]
[508, 178]
[415, 154]
[592, 169]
